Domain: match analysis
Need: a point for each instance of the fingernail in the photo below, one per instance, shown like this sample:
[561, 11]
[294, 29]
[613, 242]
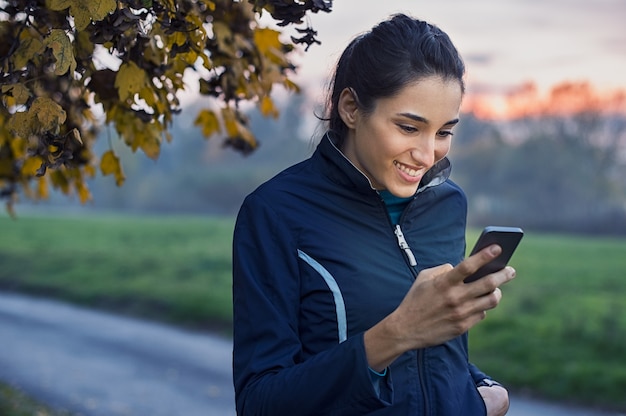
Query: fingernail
[495, 249]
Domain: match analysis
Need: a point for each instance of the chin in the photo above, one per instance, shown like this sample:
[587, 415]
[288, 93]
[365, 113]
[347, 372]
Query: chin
[403, 193]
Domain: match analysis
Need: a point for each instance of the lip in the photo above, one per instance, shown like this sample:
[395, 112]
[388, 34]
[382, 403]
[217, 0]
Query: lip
[406, 176]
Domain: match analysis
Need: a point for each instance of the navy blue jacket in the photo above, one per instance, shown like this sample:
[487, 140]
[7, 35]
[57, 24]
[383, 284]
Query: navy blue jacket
[316, 262]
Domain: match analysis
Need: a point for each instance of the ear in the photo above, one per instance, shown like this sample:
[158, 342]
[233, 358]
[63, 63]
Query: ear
[348, 107]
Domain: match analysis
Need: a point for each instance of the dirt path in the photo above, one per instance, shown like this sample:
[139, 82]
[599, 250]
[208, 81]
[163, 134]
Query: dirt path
[103, 365]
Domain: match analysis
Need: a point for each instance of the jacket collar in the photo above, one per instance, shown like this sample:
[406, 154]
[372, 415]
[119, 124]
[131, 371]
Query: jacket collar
[341, 170]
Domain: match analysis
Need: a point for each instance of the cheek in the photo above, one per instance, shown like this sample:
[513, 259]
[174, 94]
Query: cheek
[381, 145]
[442, 149]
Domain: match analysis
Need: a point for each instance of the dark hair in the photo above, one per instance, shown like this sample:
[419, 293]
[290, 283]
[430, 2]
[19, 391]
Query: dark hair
[379, 63]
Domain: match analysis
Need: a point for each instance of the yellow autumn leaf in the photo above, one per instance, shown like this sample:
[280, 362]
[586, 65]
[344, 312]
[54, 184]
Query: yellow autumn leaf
[290, 85]
[177, 38]
[230, 122]
[267, 41]
[74, 134]
[149, 96]
[151, 146]
[22, 124]
[31, 165]
[170, 4]
[42, 188]
[190, 57]
[224, 37]
[147, 137]
[247, 135]
[19, 94]
[235, 129]
[8, 100]
[18, 147]
[154, 53]
[49, 114]
[59, 181]
[89, 170]
[83, 191]
[197, 37]
[110, 165]
[130, 79]
[268, 108]
[161, 105]
[271, 49]
[208, 122]
[6, 168]
[28, 48]
[83, 45]
[244, 89]
[58, 5]
[84, 11]
[62, 50]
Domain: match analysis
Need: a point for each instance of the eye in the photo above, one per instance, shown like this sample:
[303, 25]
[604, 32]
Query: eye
[445, 133]
[407, 128]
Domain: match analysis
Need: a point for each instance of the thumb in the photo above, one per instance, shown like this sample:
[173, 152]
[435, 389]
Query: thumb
[471, 264]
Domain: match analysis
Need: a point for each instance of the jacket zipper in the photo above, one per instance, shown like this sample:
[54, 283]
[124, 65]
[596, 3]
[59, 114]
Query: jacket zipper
[422, 378]
[420, 353]
[405, 246]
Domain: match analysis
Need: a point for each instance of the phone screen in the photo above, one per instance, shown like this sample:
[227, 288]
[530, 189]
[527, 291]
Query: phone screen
[506, 237]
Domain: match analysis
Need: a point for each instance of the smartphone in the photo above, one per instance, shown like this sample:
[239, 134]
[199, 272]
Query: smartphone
[506, 237]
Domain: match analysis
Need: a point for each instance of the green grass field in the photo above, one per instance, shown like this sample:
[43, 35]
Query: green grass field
[15, 403]
[560, 331]
[166, 268]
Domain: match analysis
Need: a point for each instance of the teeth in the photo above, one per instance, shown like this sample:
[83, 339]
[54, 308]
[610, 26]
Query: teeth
[405, 169]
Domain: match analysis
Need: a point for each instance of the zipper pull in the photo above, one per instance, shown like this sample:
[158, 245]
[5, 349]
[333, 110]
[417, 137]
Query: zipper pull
[404, 246]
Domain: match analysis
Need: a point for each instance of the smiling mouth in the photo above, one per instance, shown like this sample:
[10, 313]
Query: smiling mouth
[406, 169]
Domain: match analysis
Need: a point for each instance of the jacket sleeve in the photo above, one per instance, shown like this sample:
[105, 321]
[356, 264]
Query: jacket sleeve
[477, 374]
[270, 375]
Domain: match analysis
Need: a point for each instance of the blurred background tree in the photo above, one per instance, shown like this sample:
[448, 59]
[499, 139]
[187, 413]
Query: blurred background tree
[63, 60]
[554, 163]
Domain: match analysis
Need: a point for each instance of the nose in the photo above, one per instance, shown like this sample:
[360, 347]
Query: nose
[423, 153]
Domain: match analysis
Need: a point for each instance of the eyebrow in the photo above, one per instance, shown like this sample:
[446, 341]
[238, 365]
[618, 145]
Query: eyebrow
[421, 119]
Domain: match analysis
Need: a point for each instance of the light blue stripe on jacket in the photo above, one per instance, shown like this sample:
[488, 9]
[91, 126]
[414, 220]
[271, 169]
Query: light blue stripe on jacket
[340, 307]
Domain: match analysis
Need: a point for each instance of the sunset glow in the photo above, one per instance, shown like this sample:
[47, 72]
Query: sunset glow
[566, 98]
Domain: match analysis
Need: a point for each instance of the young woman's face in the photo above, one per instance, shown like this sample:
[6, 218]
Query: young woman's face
[405, 135]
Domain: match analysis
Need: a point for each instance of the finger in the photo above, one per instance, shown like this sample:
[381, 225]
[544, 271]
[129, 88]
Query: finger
[468, 266]
[477, 307]
[490, 300]
[489, 283]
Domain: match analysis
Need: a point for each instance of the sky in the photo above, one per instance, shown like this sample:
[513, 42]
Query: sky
[505, 43]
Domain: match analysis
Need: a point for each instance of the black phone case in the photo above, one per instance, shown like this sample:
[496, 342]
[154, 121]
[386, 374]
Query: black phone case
[506, 237]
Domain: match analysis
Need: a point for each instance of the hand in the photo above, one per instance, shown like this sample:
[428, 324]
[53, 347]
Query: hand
[496, 400]
[438, 307]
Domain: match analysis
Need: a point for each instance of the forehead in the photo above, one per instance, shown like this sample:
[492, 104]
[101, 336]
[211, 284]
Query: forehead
[433, 98]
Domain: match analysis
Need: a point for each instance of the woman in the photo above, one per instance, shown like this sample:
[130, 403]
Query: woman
[346, 301]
